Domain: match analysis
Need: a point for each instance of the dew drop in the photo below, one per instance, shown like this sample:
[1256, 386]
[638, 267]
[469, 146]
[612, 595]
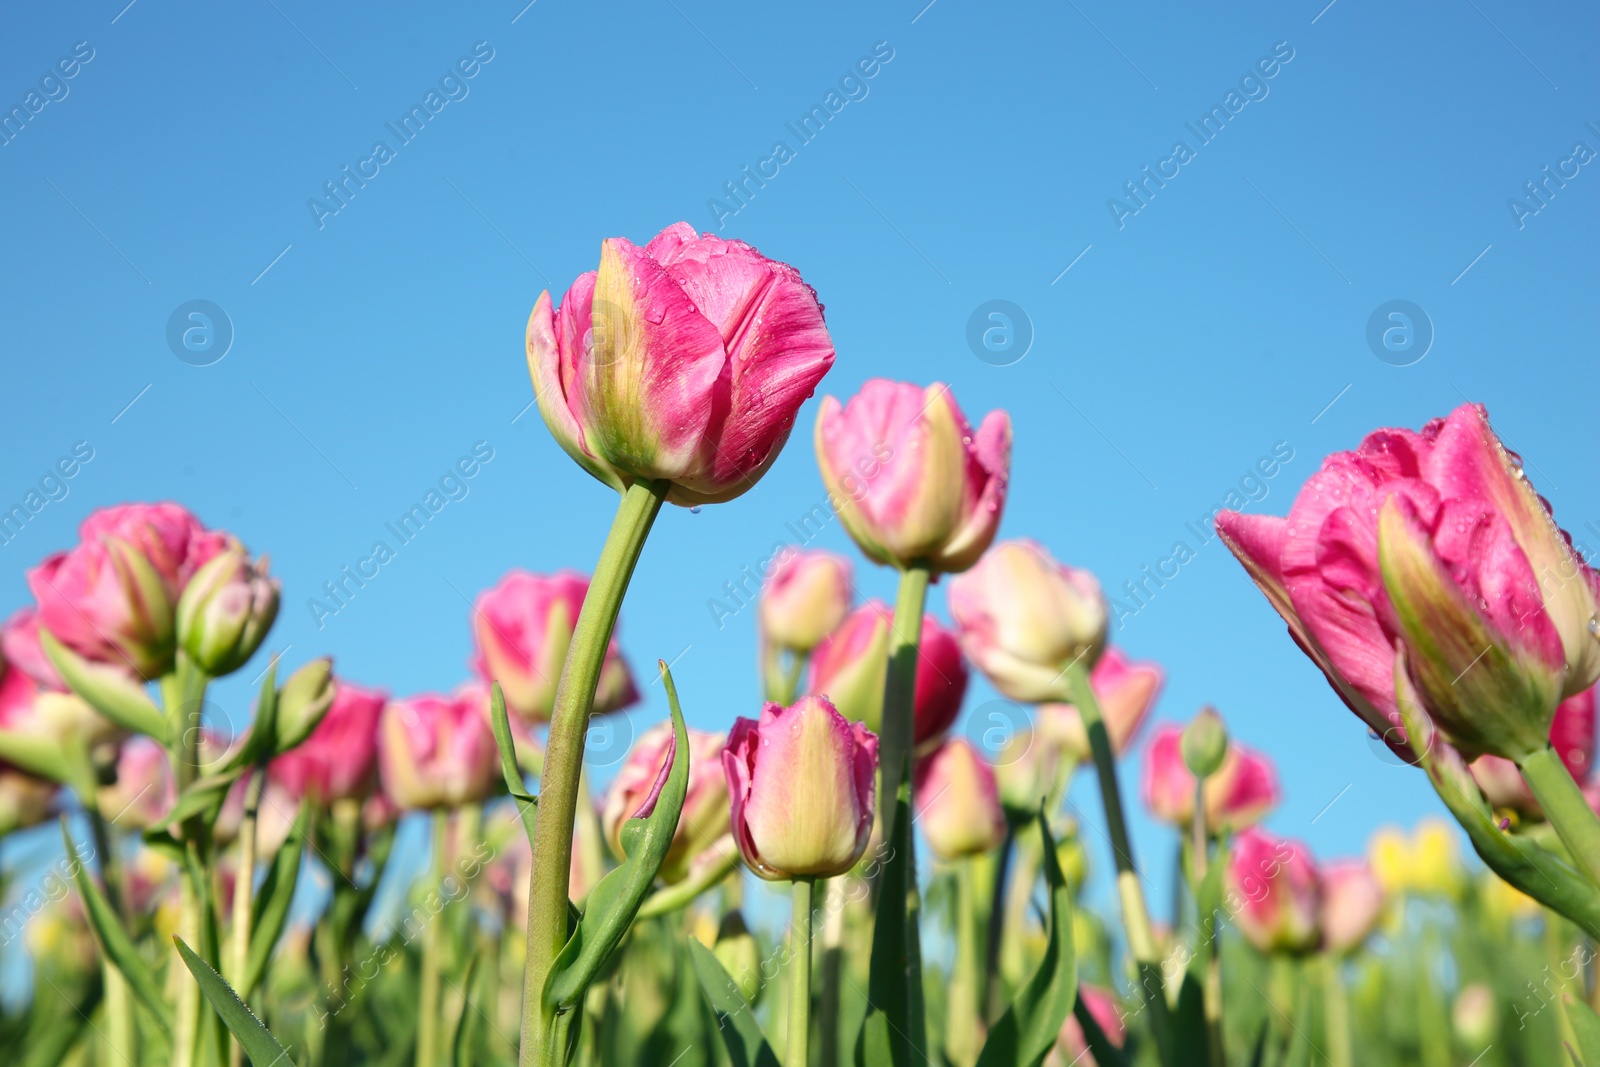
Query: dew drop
[1594, 625]
[695, 510]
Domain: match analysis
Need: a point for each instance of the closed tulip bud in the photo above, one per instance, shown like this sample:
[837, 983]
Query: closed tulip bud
[736, 949]
[1125, 689]
[1474, 1016]
[226, 610]
[801, 781]
[957, 802]
[522, 629]
[338, 760]
[1352, 904]
[302, 702]
[851, 665]
[685, 360]
[1205, 743]
[24, 800]
[911, 481]
[438, 751]
[1275, 892]
[805, 599]
[1024, 618]
[704, 819]
[1240, 794]
[143, 791]
[111, 598]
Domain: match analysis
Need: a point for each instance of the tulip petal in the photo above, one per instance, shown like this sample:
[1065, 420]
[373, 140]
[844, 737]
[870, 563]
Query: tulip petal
[550, 334]
[988, 476]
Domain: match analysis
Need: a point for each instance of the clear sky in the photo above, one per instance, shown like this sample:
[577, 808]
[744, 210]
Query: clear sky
[1369, 153]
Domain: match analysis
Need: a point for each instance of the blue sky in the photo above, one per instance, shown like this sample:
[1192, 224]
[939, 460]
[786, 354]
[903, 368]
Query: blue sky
[1175, 338]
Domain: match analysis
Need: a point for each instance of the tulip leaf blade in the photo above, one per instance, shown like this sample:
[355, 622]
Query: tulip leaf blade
[249, 1031]
[258, 743]
[114, 941]
[205, 797]
[614, 902]
[1585, 1027]
[741, 1034]
[114, 695]
[506, 744]
[271, 905]
[1027, 1031]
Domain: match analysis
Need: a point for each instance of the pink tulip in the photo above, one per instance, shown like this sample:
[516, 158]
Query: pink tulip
[438, 751]
[684, 360]
[909, 478]
[1024, 618]
[1572, 735]
[806, 598]
[1352, 904]
[801, 783]
[19, 647]
[704, 820]
[1126, 691]
[143, 791]
[1072, 1048]
[958, 802]
[339, 761]
[34, 710]
[1493, 608]
[851, 665]
[1274, 892]
[112, 597]
[1240, 794]
[522, 628]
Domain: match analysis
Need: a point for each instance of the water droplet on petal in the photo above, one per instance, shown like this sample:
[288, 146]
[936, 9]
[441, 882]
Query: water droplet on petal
[695, 510]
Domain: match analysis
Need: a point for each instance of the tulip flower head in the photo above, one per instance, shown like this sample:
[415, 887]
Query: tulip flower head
[1435, 541]
[1024, 618]
[1352, 904]
[339, 760]
[522, 629]
[438, 751]
[1240, 794]
[1274, 892]
[910, 479]
[704, 819]
[225, 611]
[1126, 691]
[801, 782]
[806, 598]
[851, 665]
[958, 802]
[685, 360]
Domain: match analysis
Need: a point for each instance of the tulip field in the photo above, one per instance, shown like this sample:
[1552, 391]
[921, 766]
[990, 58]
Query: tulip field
[221, 898]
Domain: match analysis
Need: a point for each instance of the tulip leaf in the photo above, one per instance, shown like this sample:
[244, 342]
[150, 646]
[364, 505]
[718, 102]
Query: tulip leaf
[527, 805]
[677, 897]
[1534, 871]
[257, 1041]
[1585, 1027]
[894, 999]
[204, 796]
[736, 1020]
[115, 943]
[615, 901]
[271, 906]
[1027, 1031]
[258, 743]
[106, 689]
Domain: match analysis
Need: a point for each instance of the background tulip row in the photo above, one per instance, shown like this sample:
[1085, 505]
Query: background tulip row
[1420, 572]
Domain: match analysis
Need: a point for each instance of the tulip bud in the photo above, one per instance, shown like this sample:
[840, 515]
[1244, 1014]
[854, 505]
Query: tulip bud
[957, 802]
[438, 752]
[1205, 743]
[226, 610]
[143, 791]
[302, 702]
[704, 818]
[1352, 904]
[1274, 891]
[339, 758]
[736, 949]
[910, 480]
[851, 665]
[1024, 618]
[1240, 793]
[1474, 1016]
[805, 599]
[801, 781]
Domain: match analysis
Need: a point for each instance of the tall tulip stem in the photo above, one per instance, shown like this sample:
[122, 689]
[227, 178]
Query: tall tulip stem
[1135, 914]
[1564, 805]
[563, 761]
[429, 1045]
[799, 1047]
[898, 702]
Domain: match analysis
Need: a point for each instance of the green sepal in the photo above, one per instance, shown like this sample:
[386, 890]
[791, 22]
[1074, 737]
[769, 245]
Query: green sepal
[106, 689]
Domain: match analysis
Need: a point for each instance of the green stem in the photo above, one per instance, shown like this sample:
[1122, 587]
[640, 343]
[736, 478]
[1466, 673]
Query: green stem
[183, 696]
[428, 1005]
[1135, 915]
[800, 975]
[1211, 987]
[894, 742]
[991, 1000]
[836, 897]
[563, 761]
[1336, 1013]
[962, 1028]
[1564, 805]
[243, 887]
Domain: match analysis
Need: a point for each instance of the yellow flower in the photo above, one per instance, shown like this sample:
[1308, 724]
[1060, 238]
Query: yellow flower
[1427, 860]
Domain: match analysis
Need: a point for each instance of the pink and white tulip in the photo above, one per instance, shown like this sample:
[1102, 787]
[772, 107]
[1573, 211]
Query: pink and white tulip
[1024, 618]
[438, 751]
[851, 665]
[685, 360]
[339, 760]
[704, 819]
[801, 783]
[806, 598]
[958, 802]
[1240, 794]
[522, 628]
[1436, 541]
[1126, 691]
[1274, 892]
[911, 481]
[1352, 904]
[32, 709]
